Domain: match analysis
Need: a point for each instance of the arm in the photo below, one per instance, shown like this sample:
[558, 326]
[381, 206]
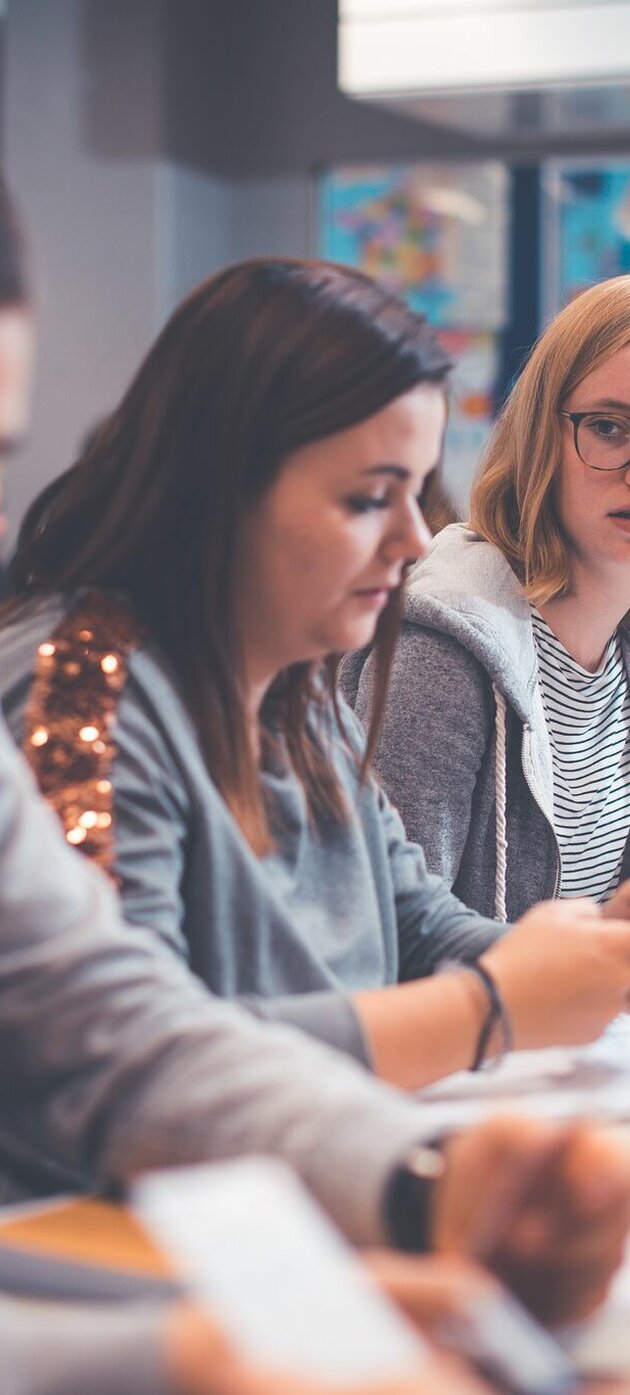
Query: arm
[436, 728]
[134, 1065]
[63, 1350]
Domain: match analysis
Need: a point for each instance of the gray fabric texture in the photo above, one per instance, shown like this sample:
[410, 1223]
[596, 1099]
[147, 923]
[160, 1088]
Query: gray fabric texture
[467, 625]
[114, 1058]
[334, 908]
[67, 1350]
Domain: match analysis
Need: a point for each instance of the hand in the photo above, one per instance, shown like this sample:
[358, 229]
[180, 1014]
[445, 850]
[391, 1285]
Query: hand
[563, 973]
[618, 908]
[547, 1209]
[430, 1291]
[200, 1361]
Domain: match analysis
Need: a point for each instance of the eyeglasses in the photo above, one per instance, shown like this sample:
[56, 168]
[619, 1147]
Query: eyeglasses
[601, 441]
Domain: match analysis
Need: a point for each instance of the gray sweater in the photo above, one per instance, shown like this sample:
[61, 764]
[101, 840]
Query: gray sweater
[113, 1058]
[334, 908]
[464, 721]
[64, 1350]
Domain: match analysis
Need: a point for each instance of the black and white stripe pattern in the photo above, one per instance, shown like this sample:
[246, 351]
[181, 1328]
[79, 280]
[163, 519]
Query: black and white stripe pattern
[588, 719]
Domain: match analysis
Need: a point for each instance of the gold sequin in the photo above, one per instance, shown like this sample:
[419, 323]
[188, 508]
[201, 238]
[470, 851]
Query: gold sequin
[80, 674]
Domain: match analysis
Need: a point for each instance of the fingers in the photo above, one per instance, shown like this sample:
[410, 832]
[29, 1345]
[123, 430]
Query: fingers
[553, 1294]
[596, 1172]
[575, 907]
[430, 1291]
[619, 905]
[489, 1170]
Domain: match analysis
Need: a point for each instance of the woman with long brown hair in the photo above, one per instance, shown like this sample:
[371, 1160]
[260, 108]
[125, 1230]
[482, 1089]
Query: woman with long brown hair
[247, 513]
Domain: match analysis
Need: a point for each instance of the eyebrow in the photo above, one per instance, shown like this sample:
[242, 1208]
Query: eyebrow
[398, 471]
[608, 404]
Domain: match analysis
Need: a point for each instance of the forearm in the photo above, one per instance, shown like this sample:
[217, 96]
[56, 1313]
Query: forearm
[418, 1032]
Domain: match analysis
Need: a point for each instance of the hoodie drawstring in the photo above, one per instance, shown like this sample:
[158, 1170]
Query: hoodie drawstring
[500, 790]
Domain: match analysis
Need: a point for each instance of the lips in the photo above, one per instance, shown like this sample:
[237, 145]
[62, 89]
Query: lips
[619, 513]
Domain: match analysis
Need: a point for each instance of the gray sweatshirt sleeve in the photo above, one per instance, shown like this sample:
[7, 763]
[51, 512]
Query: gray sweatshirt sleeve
[65, 1350]
[433, 924]
[436, 728]
[154, 826]
[115, 1058]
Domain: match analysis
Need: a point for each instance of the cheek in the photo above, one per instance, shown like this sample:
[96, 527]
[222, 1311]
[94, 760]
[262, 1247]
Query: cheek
[574, 499]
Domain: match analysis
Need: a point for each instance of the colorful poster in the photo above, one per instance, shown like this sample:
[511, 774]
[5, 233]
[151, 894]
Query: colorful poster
[472, 401]
[435, 234]
[586, 229]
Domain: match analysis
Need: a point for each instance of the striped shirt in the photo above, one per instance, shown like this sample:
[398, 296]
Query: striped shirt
[588, 720]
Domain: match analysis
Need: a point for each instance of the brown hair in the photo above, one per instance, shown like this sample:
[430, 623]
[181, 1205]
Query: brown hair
[261, 359]
[513, 504]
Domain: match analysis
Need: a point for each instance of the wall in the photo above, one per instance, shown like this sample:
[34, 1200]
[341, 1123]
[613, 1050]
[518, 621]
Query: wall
[81, 140]
[151, 141]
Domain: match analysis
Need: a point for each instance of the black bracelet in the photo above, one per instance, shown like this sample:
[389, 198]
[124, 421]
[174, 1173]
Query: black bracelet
[497, 1015]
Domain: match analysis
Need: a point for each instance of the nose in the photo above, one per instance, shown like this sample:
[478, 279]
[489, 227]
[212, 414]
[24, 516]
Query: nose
[410, 536]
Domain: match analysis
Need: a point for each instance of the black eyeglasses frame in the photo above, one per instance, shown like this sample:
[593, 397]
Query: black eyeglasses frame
[575, 418]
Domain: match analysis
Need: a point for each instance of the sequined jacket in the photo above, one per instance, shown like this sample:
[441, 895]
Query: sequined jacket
[330, 910]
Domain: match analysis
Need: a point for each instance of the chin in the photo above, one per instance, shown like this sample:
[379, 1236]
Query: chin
[356, 636]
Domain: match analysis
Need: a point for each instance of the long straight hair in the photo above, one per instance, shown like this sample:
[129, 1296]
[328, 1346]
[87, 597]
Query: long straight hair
[260, 360]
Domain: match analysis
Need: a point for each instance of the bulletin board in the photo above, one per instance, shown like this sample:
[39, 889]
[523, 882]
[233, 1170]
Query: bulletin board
[437, 235]
[585, 227]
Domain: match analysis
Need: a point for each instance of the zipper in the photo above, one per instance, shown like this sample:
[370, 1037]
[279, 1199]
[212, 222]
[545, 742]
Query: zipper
[530, 782]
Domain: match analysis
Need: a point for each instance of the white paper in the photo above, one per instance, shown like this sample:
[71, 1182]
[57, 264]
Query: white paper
[557, 1083]
[287, 1288]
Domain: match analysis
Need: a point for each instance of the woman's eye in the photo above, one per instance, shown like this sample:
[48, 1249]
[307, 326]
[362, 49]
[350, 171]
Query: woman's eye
[364, 503]
[609, 429]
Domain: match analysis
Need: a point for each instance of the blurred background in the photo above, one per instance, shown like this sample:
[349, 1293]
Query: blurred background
[476, 156]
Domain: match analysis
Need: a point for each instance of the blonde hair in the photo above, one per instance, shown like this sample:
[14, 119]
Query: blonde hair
[513, 499]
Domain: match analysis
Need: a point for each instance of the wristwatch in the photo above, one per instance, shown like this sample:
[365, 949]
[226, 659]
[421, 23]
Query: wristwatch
[408, 1197]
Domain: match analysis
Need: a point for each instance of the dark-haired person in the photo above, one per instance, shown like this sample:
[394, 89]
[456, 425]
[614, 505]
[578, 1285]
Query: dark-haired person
[246, 513]
[506, 741]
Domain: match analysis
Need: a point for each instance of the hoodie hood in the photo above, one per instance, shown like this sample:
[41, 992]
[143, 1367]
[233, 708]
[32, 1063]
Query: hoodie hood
[465, 588]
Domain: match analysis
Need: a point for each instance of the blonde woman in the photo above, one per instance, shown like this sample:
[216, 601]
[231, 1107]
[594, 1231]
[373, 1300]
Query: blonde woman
[506, 741]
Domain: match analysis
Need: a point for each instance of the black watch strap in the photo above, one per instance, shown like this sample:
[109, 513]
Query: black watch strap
[408, 1198]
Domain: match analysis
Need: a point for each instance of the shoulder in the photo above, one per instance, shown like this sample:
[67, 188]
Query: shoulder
[83, 661]
[428, 664]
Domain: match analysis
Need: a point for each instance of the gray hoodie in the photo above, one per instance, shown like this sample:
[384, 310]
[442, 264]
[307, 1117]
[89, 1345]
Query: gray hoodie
[464, 751]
